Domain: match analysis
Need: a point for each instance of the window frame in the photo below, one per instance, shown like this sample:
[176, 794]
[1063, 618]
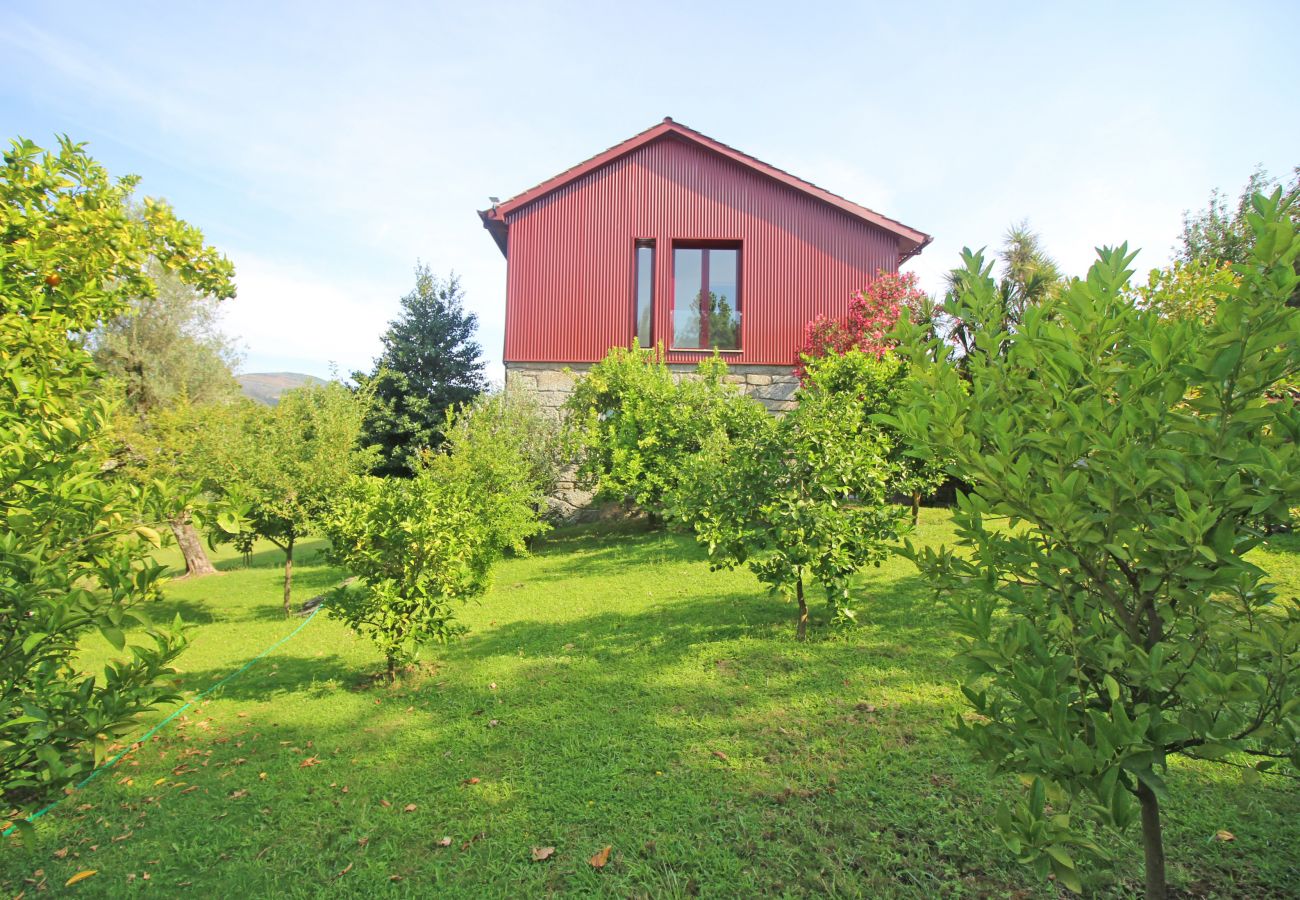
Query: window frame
[707, 244]
[639, 244]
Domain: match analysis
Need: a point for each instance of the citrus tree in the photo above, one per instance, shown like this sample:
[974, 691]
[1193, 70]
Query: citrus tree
[421, 546]
[1122, 465]
[803, 499]
[279, 470]
[74, 555]
[632, 423]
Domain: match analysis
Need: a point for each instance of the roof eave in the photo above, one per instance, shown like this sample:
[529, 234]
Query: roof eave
[496, 226]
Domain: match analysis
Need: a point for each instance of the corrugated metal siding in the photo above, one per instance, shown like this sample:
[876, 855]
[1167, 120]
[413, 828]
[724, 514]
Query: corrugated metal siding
[569, 291]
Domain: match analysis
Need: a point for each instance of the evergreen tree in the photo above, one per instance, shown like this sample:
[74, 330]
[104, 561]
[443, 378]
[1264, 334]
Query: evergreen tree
[430, 364]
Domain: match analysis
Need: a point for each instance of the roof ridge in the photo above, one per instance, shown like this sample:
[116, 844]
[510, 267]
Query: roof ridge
[494, 218]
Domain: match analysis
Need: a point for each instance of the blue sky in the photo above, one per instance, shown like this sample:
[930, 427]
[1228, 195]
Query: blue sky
[325, 147]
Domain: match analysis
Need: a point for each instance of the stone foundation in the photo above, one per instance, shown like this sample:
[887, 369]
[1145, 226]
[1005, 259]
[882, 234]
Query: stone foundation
[551, 384]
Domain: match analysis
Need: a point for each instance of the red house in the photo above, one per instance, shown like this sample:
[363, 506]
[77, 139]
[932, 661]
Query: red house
[676, 239]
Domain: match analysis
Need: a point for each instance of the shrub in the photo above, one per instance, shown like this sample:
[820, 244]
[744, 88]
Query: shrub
[877, 382]
[804, 497]
[421, 545]
[1116, 620]
[872, 314]
[632, 426]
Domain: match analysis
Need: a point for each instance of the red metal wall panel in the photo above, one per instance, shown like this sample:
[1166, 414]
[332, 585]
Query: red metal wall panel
[570, 293]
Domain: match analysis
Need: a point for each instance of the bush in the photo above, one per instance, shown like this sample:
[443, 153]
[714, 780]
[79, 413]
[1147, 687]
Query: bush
[421, 545]
[877, 381]
[804, 497]
[632, 425]
[872, 314]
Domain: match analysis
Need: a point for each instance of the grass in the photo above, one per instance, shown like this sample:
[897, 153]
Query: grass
[612, 691]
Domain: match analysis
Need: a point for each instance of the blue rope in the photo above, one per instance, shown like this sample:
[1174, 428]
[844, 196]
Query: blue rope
[150, 733]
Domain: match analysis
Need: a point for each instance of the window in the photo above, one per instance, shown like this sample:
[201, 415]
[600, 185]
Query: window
[645, 292]
[706, 297]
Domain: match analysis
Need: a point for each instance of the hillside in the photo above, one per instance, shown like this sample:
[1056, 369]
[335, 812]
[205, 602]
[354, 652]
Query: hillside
[266, 387]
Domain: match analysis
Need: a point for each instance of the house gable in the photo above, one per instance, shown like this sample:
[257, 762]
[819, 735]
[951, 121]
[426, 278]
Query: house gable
[570, 244]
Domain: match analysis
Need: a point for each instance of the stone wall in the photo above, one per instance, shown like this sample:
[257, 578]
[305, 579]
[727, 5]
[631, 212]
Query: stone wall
[551, 383]
[773, 386]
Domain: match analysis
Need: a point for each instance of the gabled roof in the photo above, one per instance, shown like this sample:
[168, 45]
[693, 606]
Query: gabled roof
[911, 241]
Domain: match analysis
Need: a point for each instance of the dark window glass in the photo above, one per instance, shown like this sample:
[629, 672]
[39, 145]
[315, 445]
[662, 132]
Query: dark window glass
[645, 292]
[706, 298]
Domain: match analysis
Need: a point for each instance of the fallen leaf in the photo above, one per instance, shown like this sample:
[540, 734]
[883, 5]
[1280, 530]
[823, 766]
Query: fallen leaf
[308, 762]
[242, 715]
[570, 646]
[445, 842]
[346, 870]
[541, 853]
[493, 685]
[385, 803]
[261, 776]
[1224, 835]
[600, 859]
[410, 807]
[61, 853]
[362, 841]
[394, 877]
[720, 755]
[493, 723]
[80, 876]
[236, 795]
[470, 781]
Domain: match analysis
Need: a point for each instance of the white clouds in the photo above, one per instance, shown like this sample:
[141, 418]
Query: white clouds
[285, 313]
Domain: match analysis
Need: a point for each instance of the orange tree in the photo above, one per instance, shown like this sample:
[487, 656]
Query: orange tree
[1121, 464]
[74, 557]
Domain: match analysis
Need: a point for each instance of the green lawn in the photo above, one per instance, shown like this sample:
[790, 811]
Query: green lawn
[611, 691]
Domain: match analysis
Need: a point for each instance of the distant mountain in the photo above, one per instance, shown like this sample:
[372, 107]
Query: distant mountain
[266, 387]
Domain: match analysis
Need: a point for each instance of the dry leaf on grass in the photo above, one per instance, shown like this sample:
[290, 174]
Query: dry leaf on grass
[80, 876]
[601, 858]
[470, 781]
[309, 761]
[720, 755]
[542, 853]
[445, 842]
[1224, 835]
[346, 870]
[410, 807]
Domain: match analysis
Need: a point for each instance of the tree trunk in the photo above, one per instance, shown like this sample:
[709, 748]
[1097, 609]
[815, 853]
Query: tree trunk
[288, 575]
[392, 670]
[916, 508]
[802, 632]
[1152, 843]
[196, 561]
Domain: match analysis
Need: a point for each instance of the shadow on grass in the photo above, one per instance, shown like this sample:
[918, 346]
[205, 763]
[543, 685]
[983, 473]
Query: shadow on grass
[274, 676]
[307, 552]
[694, 735]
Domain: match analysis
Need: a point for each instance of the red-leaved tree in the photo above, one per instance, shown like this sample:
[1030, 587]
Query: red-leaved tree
[872, 313]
